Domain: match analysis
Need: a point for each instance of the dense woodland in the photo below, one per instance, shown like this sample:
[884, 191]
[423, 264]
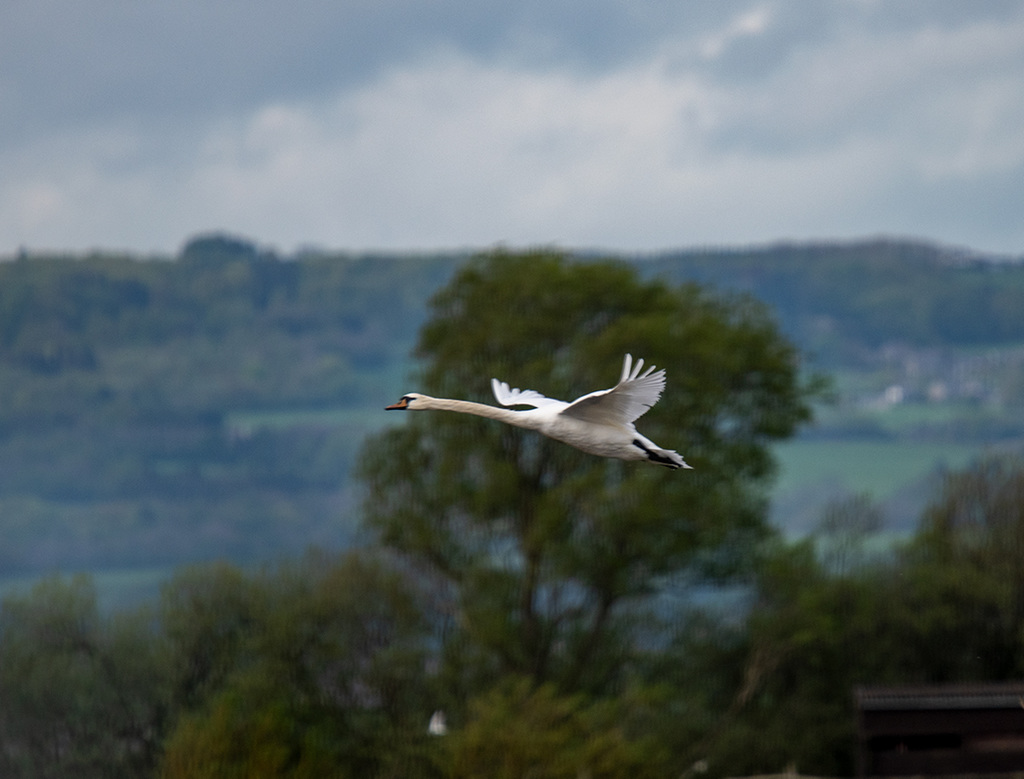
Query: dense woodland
[162, 411]
[569, 615]
[869, 294]
[155, 411]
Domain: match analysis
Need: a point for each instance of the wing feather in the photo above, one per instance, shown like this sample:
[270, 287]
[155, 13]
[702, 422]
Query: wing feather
[517, 397]
[624, 403]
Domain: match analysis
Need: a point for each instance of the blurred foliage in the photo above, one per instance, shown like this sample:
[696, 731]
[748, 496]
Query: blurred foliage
[938, 609]
[332, 665]
[83, 695]
[313, 668]
[518, 730]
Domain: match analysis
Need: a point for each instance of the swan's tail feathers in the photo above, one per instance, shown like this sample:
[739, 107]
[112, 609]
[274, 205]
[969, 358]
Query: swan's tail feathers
[666, 457]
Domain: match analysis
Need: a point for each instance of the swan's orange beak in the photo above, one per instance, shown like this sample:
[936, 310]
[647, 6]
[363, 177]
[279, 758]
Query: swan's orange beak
[399, 406]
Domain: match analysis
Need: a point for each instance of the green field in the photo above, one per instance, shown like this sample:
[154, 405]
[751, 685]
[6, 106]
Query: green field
[899, 476]
[876, 467]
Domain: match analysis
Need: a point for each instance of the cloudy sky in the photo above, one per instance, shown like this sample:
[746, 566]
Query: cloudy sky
[411, 124]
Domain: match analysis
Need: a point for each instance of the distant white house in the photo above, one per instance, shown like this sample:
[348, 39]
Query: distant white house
[894, 394]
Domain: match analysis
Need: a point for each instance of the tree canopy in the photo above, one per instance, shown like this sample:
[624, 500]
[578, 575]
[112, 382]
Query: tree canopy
[541, 546]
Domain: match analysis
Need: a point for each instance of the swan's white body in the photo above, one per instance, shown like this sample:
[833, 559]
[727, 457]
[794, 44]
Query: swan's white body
[600, 423]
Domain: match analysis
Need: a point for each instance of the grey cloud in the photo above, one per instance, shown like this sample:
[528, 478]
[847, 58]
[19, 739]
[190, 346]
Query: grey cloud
[612, 122]
[66, 62]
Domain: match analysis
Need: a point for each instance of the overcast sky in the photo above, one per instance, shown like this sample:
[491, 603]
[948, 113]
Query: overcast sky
[410, 124]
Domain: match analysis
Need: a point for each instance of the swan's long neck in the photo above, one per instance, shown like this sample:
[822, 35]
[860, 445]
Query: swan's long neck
[506, 415]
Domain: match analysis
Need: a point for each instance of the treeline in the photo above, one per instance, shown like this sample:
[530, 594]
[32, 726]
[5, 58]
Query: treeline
[333, 665]
[156, 410]
[131, 394]
[56, 311]
[838, 299]
[215, 322]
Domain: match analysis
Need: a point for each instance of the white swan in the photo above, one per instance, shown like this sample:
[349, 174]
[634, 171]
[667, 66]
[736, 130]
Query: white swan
[600, 423]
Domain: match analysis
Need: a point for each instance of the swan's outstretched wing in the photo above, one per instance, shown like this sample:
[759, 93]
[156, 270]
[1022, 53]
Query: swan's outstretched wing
[517, 397]
[624, 403]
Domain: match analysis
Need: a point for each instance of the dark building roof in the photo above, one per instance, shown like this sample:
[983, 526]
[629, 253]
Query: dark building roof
[1002, 695]
[941, 730]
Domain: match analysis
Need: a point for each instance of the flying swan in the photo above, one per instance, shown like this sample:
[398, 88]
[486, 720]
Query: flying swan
[599, 423]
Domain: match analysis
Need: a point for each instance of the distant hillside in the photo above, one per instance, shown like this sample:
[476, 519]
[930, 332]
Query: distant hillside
[160, 410]
[838, 299]
[155, 410]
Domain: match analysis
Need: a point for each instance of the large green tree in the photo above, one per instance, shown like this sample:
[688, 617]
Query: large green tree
[543, 555]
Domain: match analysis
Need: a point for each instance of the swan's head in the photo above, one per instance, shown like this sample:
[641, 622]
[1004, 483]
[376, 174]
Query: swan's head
[407, 402]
